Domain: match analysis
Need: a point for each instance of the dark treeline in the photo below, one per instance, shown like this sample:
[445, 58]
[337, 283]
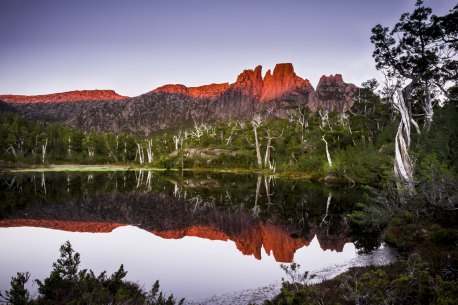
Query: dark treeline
[68, 284]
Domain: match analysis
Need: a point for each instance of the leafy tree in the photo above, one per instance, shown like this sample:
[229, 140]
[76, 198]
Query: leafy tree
[17, 294]
[421, 48]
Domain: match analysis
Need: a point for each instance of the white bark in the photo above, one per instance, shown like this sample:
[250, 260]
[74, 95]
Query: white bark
[140, 153]
[256, 210]
[428, 107]
[328, 155]
[43, 181]
[69, 146]
[267, 162]
[256, 122]
[43, 150]
[301, 119]
[328, 204]
[13, 151]
[149, 151]
[402, 165]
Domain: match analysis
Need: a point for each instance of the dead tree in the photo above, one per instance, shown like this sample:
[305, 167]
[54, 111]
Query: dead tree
[149, 150]
[403, 168]
[301, 119]
[43, 150]
[328, 155]
[140, 154]
[256, 122]
[256, 210]
[267, 162]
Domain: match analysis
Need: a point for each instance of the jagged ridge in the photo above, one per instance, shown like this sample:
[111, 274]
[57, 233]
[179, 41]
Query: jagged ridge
[176, 106]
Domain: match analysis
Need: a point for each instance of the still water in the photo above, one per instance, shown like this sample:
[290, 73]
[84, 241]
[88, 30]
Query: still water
[201, 235]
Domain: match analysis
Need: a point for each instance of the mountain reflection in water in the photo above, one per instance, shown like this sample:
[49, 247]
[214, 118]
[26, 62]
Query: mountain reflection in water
[214, 207]
[254, 212]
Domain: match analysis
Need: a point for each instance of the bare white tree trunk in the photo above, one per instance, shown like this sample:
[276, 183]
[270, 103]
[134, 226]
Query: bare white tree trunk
[140, 153]
[328, 155]
[69, 146]
[328, 204]
[229, 139]
[43, 181]
[255, 210]
[301, 119]
[149, 151]
[43, 150]
[256, 122]
[428, 107]
[13, 151]
[267, 162]
[148, 181]
[402, 165]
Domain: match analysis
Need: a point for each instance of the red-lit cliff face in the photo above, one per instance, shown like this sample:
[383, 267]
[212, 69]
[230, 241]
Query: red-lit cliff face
[332, 94]
[212, 91]
[71, 96]
[274, 239]
[71, 226]
[282, 81]
[250, 83]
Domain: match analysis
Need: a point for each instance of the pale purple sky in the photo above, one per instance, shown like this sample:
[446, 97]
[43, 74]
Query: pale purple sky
[133, 47]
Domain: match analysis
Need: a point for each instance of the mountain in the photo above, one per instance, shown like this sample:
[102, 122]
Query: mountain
[70, 96]
[175, 106]
[169, 218]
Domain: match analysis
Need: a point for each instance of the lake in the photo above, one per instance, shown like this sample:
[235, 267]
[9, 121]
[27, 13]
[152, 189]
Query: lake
[209, 237]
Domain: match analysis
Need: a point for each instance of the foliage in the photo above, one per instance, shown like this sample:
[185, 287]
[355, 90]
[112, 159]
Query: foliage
[296, 143]
[66, 284]
[404, 282]
[17, 294]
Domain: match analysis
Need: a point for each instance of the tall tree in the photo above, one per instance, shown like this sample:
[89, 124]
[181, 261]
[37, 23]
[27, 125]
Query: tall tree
[421, 48]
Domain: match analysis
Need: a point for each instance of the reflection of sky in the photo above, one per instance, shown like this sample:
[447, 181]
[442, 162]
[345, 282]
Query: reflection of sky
[190, 267]
[134, 46]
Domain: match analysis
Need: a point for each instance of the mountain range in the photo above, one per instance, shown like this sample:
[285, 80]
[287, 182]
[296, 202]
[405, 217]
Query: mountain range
[176, 106]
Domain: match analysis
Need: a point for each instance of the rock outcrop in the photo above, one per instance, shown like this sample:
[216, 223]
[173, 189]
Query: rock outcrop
[70, 96]
[332, 94]
[282, 81]
[212, 91]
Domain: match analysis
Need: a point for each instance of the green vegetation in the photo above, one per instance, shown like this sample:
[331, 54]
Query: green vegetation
[417, 211]
[413, 208]
[358, 143]
[67, 284]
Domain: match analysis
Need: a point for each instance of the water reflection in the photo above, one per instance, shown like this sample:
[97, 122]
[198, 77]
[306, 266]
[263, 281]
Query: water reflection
[268, 220]
[253, 211]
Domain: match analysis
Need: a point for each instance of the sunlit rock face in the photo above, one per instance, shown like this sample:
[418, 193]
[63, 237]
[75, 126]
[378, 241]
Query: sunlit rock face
[71, 96]
[63, 225]
[211, 92]
[282, 81]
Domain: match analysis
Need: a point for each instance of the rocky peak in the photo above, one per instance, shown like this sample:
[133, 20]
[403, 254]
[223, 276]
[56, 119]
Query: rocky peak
[173, 88]
[283, 80]
[330, 80]
[211, 91]
[250, 82]
[70, 96]
[332, 94]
